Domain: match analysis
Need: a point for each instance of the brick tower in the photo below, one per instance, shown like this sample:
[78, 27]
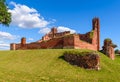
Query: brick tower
[54, 31]
[96, 29]
[23, 41]
[108, 48]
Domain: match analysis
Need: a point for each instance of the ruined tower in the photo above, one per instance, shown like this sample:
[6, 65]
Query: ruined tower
[23, 41]
[12, 46]
[96, 29]
[54, 31]
[108, 48]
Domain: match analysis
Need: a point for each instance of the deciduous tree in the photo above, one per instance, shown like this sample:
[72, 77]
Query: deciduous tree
[5, 16]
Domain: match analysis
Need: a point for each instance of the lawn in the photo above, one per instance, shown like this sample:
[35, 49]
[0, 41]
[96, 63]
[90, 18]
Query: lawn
[46, 66]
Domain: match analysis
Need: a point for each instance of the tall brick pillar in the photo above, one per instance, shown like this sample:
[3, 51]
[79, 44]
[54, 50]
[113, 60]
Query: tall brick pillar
[96, 29]
[23, 41]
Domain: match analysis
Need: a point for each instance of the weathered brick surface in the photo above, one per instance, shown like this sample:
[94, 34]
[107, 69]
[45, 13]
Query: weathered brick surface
[68, 41]
[86, 37]
[53, 43]
[83, 44]
[108, 48]
[89, 61]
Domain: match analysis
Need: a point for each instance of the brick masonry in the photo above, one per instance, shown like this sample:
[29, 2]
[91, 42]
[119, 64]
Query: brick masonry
[108, 48]
[88, 61]
[55, 40]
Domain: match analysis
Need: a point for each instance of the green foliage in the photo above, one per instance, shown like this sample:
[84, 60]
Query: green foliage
[91, 34]
[5, 16]
[108, 40]
[117, 52]
[45, 66]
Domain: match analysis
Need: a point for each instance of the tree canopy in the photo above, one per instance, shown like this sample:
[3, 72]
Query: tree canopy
[5, 16]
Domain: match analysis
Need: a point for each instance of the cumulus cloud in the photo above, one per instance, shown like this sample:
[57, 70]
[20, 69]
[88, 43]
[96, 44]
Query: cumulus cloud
[44, 30]
[26, 17]
[5, 39]
[4, 46]
[59, 28]
[6, 35]
[62, 29]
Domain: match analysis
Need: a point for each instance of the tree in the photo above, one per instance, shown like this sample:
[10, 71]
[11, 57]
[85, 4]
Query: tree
[5, 16]
[117, 51]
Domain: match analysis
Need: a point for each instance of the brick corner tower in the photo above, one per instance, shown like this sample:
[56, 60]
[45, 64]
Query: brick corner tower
[96, 29]
[23, 41]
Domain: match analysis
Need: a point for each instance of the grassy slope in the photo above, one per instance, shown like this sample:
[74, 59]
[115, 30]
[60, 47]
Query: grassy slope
[46, 66]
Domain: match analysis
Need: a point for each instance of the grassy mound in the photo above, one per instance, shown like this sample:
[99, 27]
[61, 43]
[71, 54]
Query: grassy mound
[46, 66]
[87, 60]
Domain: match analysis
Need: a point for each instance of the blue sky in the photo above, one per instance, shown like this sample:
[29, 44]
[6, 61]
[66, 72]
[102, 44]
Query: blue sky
[33, 18]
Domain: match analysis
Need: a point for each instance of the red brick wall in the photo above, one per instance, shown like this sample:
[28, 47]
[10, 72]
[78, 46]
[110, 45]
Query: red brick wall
[16, 47]
[53, 43]
[86, 37]
[82, 44]
[54, 34]
[68, 41]
[87, 61]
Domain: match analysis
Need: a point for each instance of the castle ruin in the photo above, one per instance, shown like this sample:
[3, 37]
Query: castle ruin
[108, 48]
[63, 40]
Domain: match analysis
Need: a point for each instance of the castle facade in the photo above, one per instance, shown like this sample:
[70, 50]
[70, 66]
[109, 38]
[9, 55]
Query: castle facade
[63, 40]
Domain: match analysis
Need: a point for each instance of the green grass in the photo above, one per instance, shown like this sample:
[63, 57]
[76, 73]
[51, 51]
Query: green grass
[76, 52]
[46, 66]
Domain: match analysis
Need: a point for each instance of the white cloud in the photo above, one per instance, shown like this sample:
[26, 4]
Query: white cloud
[59, 28]
[31, 39]
[6, 35]
[5, 40]
[4, 46]
[44, 30]
[26, 17]
[62, 29]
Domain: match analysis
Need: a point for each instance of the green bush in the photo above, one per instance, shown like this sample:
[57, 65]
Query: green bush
[91, 34]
